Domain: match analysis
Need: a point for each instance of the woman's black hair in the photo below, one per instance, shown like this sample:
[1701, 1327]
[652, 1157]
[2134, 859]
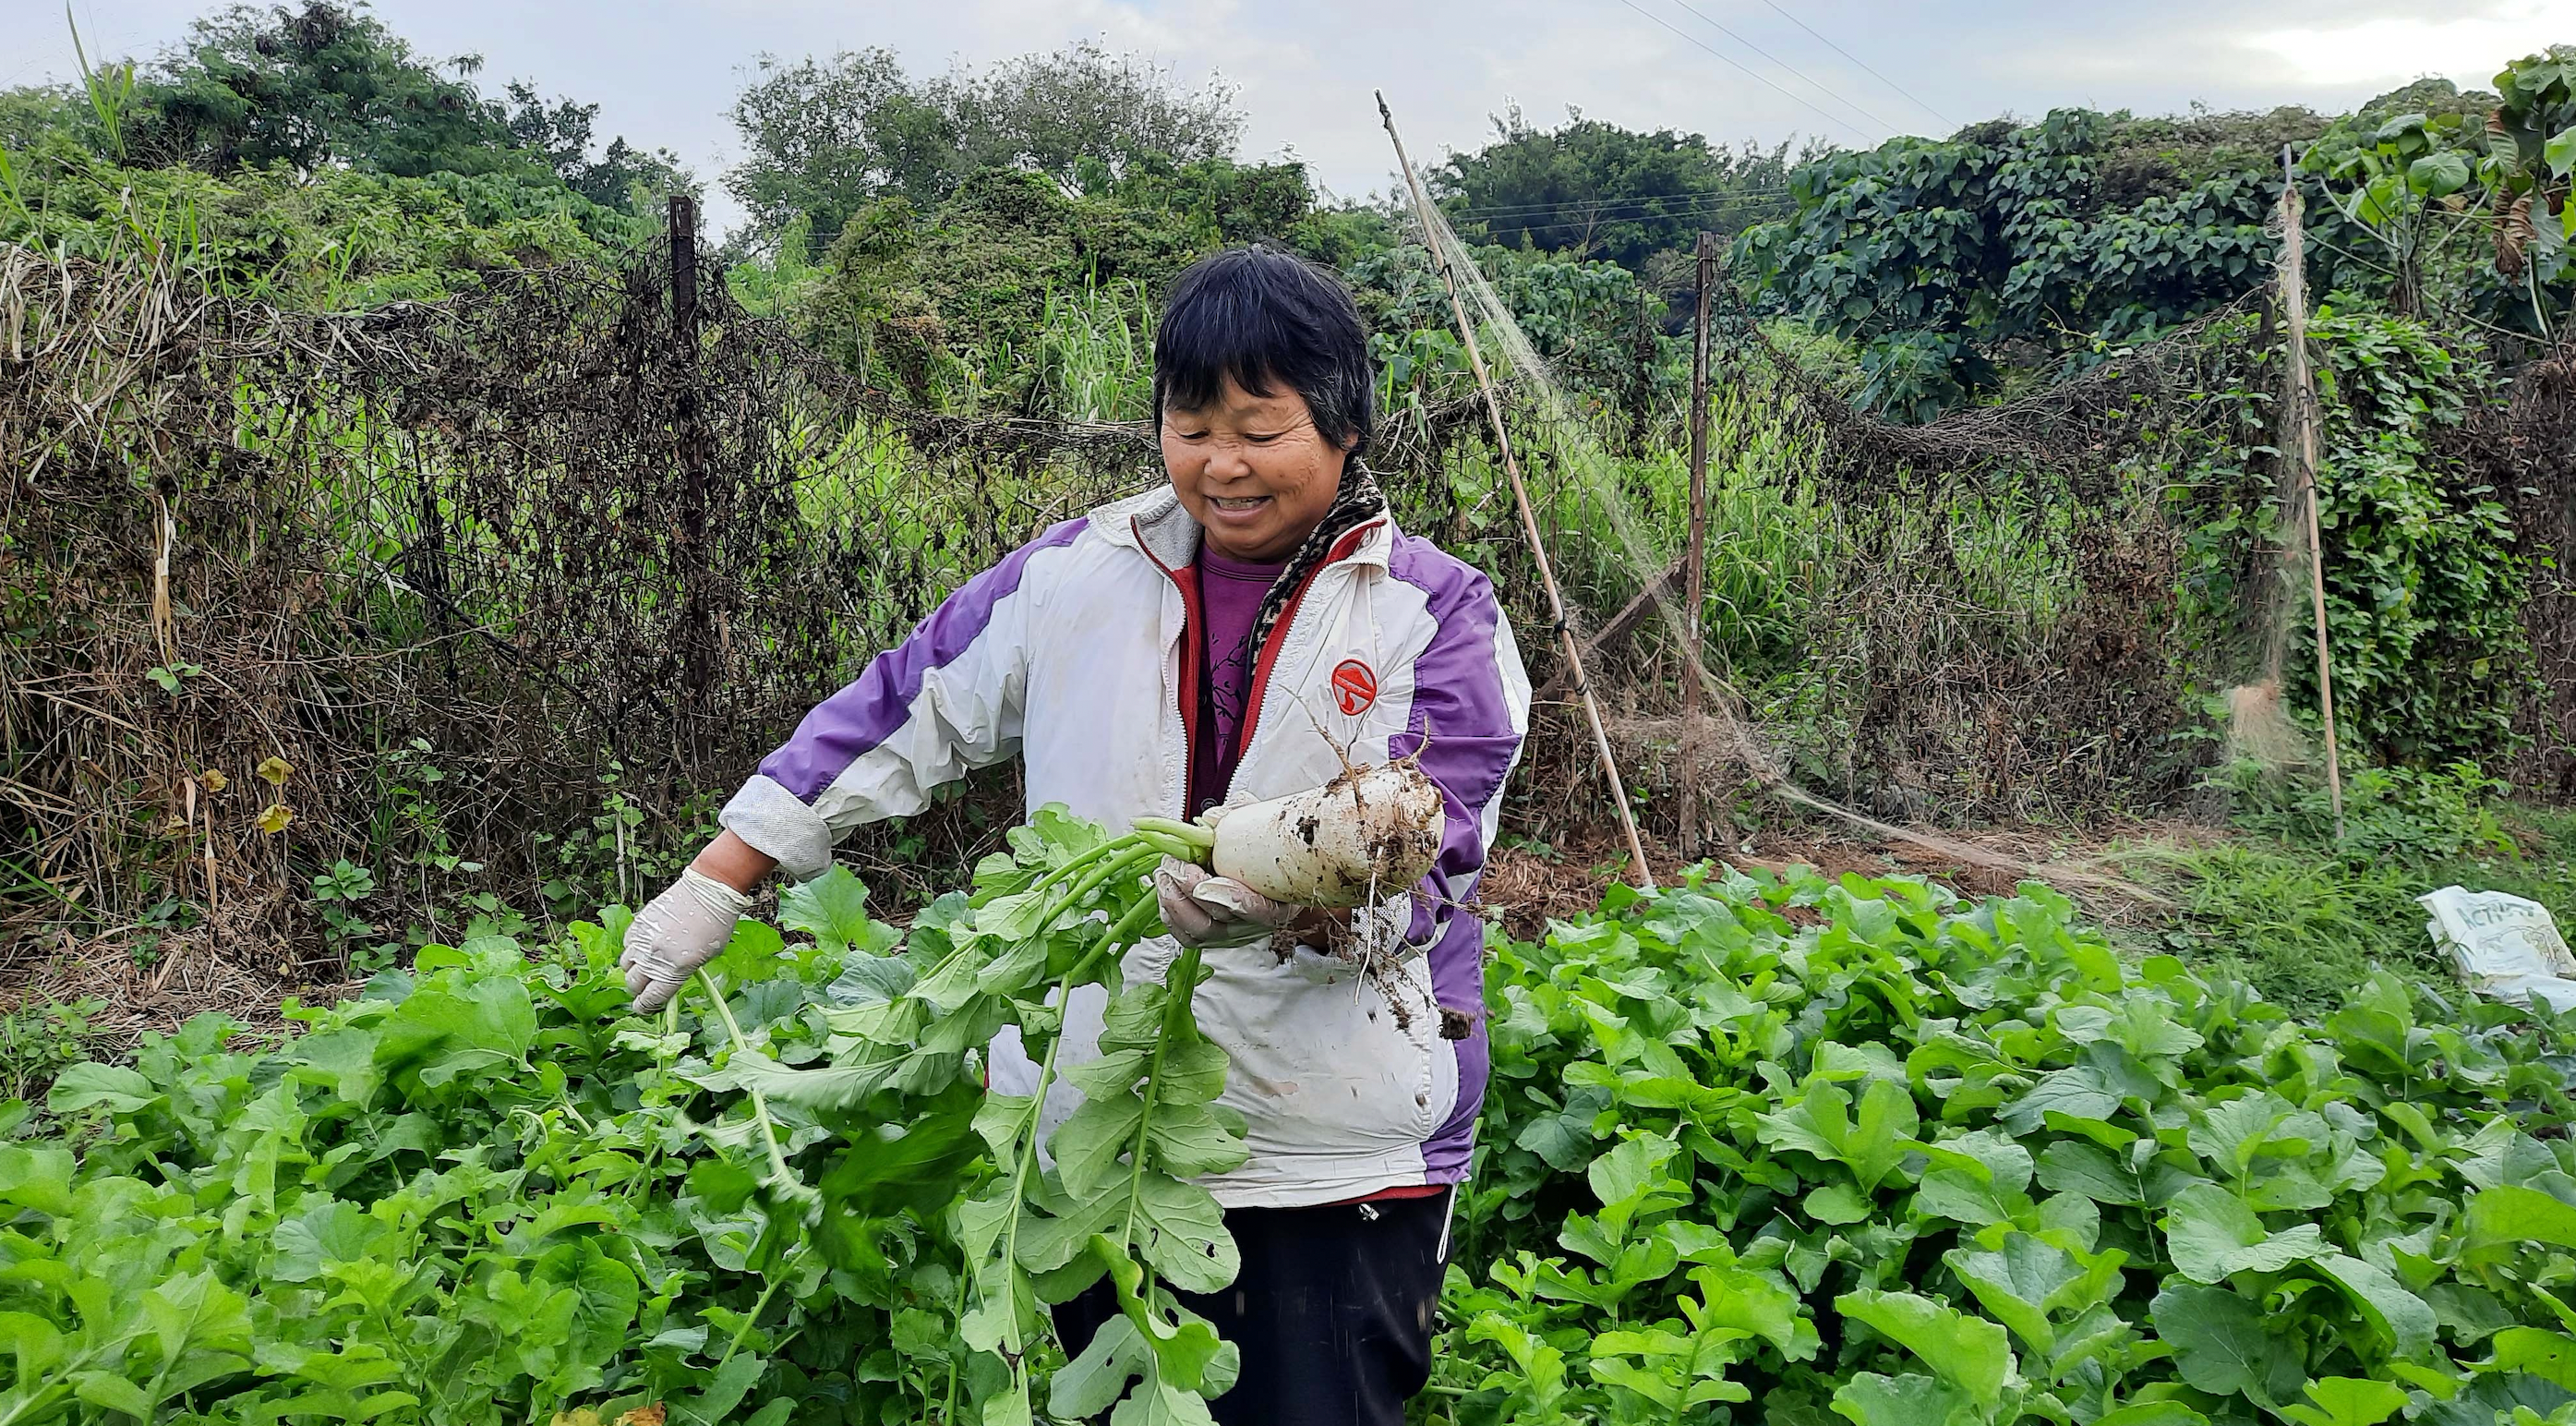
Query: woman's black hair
[1262, 317]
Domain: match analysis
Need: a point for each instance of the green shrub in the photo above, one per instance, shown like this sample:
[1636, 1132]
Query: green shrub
[341, 239]
[40, 1039]
[2402, 813]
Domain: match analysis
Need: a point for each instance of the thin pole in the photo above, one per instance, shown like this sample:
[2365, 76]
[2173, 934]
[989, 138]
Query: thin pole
[2303, 415]
[684, 266]
[1520, 497]
[689, 426]
[1695, 554]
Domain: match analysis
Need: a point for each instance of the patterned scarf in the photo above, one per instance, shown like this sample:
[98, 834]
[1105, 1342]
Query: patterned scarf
[1358, 502]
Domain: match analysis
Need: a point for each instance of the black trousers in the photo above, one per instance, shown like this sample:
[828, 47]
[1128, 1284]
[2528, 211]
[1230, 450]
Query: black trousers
[1332, 1311]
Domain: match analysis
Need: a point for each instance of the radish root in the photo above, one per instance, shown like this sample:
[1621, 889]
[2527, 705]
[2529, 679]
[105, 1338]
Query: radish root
[1334, 846]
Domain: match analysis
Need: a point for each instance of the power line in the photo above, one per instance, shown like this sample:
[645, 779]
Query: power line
[1732, 63]
[1557, 236]
[1700, 217]
[1699, 214]
[1679, 203]
[1784, 64]
[1864, 64]
[1607, 205]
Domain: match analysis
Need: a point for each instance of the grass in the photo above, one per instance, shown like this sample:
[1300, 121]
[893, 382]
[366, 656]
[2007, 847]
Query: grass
[2307, 923]
[1095, 354]
[1783, 556]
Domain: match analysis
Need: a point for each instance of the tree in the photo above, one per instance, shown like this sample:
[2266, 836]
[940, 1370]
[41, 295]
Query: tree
[1591, 189]
[314, 86]
[2454, 205]
[823, 139]
[1084, 116]
[1221, 202]
[2531, 157]
[1594, 325]
[31, 114]
[326, 87]
[623, 177]
[931, 299]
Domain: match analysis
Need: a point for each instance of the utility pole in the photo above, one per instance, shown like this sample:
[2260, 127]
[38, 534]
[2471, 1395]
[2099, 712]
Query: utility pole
[1520, 497]
[2303, 417]
[1695, 554]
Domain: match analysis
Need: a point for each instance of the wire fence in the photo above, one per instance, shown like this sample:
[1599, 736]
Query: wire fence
[423, 586]
[424, 589]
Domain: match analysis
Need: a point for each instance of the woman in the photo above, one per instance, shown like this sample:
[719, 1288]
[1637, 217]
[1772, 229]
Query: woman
[1222, 639]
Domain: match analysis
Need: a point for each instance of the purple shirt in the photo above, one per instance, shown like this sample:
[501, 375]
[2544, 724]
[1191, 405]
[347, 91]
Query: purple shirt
[1230, 593]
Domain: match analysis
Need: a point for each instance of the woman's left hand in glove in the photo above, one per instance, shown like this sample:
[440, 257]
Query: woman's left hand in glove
[1204, 909]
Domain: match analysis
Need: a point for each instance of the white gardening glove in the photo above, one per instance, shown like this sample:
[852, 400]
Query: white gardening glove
[1204, 909]
[678, 931]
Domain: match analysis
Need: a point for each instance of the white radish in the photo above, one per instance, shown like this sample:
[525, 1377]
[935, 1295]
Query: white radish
[1367, 835]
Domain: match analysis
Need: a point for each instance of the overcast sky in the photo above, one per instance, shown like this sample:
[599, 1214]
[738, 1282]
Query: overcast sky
[664, 71]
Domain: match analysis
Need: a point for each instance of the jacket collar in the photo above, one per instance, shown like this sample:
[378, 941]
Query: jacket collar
[1154, 523]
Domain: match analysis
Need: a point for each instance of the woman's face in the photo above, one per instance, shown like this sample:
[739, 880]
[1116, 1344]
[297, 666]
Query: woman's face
[1252, 470]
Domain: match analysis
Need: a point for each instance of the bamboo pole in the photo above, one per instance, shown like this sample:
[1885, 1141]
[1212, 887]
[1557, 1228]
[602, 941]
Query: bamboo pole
[1695, 553]
[2303, 415]
[1520, 497]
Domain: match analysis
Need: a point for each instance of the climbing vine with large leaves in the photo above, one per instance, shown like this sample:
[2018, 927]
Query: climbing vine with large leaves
[2424, 585]
[2006, 251]
[1938, 255]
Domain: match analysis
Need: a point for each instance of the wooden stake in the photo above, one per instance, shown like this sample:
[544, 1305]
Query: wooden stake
[1695, 553]
[1642, 604]
[696, 452]
[2303, 417]
[683, 232]
[1520, 497]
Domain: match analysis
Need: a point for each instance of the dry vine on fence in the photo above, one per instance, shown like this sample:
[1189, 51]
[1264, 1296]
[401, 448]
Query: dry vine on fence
[466, 593]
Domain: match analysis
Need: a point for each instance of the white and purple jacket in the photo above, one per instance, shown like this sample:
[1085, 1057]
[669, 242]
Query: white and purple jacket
[1079, 653]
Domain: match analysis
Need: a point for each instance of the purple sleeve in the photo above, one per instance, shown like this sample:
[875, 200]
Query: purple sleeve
[1466, 729]
[944, 700]
[1470, 711]
[859, 718]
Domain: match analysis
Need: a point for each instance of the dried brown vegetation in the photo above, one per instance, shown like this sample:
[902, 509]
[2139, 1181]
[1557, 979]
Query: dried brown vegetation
[576, 523]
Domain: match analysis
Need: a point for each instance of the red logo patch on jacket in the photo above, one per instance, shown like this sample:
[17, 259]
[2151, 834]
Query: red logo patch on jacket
[1354, 687]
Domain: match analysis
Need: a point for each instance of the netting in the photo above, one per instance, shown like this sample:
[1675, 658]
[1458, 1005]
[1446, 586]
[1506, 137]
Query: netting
[2005, 624]
[457, 574]
[1980, 612]
[2526, 448]
[465, 593]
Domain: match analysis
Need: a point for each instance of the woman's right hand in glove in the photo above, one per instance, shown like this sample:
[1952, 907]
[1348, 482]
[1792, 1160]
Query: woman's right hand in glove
[678, 931]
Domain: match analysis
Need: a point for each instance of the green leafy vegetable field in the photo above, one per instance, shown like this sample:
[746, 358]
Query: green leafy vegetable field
[1757, 1148]
[1813, 1149]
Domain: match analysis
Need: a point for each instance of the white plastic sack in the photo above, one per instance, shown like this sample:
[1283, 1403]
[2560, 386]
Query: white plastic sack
[2504, 946]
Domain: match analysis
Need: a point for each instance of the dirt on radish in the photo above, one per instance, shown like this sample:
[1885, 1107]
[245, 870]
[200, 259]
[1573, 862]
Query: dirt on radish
[1366, 836]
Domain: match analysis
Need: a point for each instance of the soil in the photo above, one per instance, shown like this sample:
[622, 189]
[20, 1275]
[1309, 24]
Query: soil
[237, 968]
[1529, 887]
[160, 984]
